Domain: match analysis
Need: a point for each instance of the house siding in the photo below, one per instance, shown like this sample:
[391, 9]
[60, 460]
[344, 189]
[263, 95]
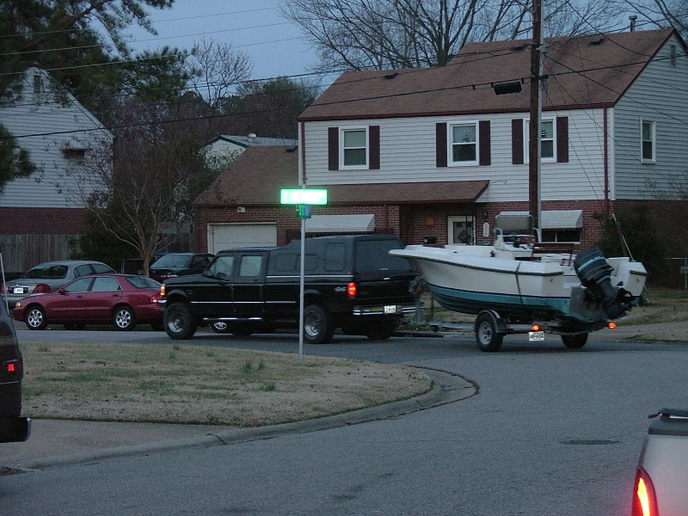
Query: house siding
[50, 185]
[659, 94]
[408, 154]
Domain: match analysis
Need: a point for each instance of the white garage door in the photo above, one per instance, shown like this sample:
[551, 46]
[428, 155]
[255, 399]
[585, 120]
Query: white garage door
[229, 236]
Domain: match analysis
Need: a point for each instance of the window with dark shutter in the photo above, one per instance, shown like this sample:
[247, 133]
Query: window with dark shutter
[484, 142]
[562, 139]
[374, 146]
[441, 144]
[517, 141]
[333, 148]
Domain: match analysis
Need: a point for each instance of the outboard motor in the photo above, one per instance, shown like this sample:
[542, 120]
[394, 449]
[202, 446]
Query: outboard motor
[594, 272]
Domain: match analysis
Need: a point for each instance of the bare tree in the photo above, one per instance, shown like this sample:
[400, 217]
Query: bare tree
[219, 69]
[379, 34]
[140, 189]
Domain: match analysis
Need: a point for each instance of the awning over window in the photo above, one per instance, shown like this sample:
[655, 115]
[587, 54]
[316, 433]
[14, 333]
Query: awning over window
[562, 219]
[364, 223]
[554, 219]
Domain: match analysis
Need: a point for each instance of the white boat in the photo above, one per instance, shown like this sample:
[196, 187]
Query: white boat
[518, 280]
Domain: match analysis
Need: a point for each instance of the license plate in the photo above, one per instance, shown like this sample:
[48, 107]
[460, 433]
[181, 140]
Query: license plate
[390, 309]
[536, 335]
[17, 290]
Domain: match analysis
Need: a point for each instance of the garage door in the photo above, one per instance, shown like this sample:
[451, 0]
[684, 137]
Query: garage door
[229, 236]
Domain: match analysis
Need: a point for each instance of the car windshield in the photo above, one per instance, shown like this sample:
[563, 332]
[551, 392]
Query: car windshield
[172, 261]
[46, 272]
[143, 282]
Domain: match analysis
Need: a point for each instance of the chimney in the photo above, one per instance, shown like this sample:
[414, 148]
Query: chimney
[633, 18]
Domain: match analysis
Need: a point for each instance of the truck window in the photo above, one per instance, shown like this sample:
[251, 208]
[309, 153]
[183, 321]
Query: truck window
[335, 257]
[371, 255]
[250, 266]
[222, 266]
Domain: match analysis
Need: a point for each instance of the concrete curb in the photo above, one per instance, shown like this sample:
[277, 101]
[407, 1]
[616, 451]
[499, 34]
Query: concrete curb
[447, 388]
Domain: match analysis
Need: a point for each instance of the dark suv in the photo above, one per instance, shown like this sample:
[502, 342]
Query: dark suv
[351, 282]
[13, 427]
[171, 265]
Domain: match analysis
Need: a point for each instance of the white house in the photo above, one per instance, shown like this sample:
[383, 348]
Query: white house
[39, 213]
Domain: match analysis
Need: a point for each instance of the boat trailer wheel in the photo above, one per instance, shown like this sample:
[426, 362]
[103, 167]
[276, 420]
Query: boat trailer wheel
[487, 334]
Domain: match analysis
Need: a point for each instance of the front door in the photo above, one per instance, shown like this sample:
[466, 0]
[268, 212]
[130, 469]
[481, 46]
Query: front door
[461, 230]
[248, 286]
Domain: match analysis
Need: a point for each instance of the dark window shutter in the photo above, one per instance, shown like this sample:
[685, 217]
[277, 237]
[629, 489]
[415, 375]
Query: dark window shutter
[484, 142]
[441, 144]
[517, 141]
[562, 139]
[333, 148]
[374, 146]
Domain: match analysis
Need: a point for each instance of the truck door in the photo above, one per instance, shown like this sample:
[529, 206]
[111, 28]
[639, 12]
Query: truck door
[248, 285]
[214, 292]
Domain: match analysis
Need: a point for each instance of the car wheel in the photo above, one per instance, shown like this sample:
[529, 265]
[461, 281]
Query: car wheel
[575, 341]
[178, 321]
[486, 335]
[220, 327]
[74, 326]
[318, 327]
[35, 317]
[123, 318]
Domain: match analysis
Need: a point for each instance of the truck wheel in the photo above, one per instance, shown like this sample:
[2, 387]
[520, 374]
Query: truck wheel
[317, 325]
[382, 331]
[178, 321]
[575, 341]
[486, 335]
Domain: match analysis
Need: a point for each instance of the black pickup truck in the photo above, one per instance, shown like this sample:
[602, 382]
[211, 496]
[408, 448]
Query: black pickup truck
[351, 283]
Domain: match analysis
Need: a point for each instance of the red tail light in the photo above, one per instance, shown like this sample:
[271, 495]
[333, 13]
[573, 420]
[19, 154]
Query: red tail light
[41, 288]
[11, 367]
[644, 498]
[351, 289]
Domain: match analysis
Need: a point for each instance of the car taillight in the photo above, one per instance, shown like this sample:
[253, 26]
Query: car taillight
[41, 288]
[351, 290]
[644, 498]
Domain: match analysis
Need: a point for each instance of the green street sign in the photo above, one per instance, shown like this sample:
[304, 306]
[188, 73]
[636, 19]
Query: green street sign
[303, 196]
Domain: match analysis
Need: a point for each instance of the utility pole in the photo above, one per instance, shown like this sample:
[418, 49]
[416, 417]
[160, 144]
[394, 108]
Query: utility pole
[535, 126]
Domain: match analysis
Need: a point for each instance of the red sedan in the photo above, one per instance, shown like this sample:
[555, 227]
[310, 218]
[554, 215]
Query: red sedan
[121, 299]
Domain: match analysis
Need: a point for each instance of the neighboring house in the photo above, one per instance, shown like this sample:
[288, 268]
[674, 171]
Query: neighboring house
[434, 154]
[224, 148]
[39, 213]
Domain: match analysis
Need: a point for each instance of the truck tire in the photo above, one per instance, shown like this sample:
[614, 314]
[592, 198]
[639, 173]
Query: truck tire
[575, 341]
[318, 326]
[179, 323]
[487, 335]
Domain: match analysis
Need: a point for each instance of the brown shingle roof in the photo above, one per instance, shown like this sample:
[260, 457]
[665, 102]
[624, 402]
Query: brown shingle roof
[259, 173]
[584, 71]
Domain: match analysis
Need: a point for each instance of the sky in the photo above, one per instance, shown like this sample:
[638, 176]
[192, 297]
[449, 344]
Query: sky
[274, 45]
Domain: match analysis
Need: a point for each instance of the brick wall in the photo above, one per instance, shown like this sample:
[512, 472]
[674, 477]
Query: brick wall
[37, 221]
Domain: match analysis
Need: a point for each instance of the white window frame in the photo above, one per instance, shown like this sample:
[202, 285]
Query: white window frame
[526, 141]
[470, 219]
[450, 144]
[342, 148]
[653, 141]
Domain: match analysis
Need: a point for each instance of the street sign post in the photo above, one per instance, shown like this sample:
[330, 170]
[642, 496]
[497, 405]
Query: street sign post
[304, 198]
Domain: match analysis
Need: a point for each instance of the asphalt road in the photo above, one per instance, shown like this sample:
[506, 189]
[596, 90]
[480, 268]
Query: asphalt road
[551, 431]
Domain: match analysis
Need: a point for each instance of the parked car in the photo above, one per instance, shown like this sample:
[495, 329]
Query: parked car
[49, 276]
[122, 299]
[662, 474]
[171, 265]
[13, 427]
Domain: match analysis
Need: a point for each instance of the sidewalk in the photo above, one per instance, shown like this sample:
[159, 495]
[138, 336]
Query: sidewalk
[56, 442]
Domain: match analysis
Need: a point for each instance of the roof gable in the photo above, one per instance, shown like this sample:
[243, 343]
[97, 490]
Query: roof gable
[583, 71]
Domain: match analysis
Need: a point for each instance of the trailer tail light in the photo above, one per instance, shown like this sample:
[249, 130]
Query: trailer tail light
[611, 325]
[351, 290]
[41, 288]
[535, 327]
[644, 498]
